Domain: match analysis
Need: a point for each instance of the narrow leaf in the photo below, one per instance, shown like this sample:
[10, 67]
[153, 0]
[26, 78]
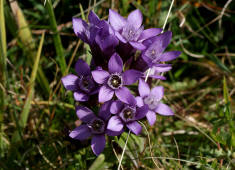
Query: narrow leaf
[99, 163]
[56, 37]
[26, 38]
[25, 112]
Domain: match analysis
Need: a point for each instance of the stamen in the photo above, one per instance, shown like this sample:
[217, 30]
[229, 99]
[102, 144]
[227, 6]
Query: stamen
[128, 113]
[115, 81]
[97, 126]
[151, 101]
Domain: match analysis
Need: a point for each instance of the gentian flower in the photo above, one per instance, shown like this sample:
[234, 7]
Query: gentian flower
[81, 85]
[130, 30]
[152, 98]
[86, 32]
[114, 80]
[98, 34]
[157, 69]
[92, 125]
[155, 54]
[126, 115]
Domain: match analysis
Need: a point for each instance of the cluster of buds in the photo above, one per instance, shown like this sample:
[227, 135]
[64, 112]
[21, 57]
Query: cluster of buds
[122, 52]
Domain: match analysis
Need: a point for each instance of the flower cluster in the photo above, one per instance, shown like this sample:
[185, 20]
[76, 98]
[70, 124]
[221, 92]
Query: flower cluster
[122, 51]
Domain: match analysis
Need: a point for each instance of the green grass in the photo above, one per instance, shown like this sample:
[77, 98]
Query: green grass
[36, 115]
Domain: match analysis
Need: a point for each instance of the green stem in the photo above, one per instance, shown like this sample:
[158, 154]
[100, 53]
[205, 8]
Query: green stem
[3, 70]
[3, 53]
[56, 37]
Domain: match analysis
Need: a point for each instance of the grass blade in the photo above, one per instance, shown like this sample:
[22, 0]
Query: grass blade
[3, 70]
[99, 163]
[25, 112]
[27, 40]
[56, 37]
[3, 52]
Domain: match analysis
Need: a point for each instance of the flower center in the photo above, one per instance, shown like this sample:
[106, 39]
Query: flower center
[97, 126]
[151, 101]
[86, 83]
[152, 54]
[115, 81]
[130, 33]
[128, 113]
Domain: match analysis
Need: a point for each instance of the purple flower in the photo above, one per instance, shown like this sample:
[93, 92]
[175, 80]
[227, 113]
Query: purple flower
[82, 85]
[152, 98]
[86, 32]
[93, 125]
[114, 80]
[98, 34]
[105, 38]
[126, 115]
[131, 30]
[155, 51]
[157, 69]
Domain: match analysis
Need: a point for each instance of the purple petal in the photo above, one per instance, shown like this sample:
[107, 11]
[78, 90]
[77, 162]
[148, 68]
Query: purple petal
[158, 92]
[93, 18]
[116, 107]
[159, 43]
[84, 114]
[105, 94]
[137, 45]
[151, 32]
[82, 68]
[110, 41]
[100, 76]
[81, 132]
[141, 112]
[125, 96]
[116, 20]
[79, 96]
[164, 110]
[135, 127]
[115, 64]
[135, 18]
[115, 124]
[158, 77]
[112, 133]
[160, 69]
[80, 27]
[143, 88]
[69, 82]
[119, 36]
[98, 144]
[131, 76]
[151, 117]
[168, 56]
[104, 111]
[139, 101]
[147, 59]
[162, 65]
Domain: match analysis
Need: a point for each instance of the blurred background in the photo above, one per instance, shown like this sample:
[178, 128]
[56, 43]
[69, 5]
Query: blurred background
[38, 46]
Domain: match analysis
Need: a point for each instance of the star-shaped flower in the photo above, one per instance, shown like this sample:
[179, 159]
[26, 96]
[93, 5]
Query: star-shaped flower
[130, 30]
[114, 80]
[152, 98]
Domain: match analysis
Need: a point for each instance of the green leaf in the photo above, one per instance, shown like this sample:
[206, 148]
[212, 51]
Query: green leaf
[3, 53]
[3, 73]
[218, 62]
[99, 163]
[25, 112]
[56, 37]
[134, 146]
[26, 38]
